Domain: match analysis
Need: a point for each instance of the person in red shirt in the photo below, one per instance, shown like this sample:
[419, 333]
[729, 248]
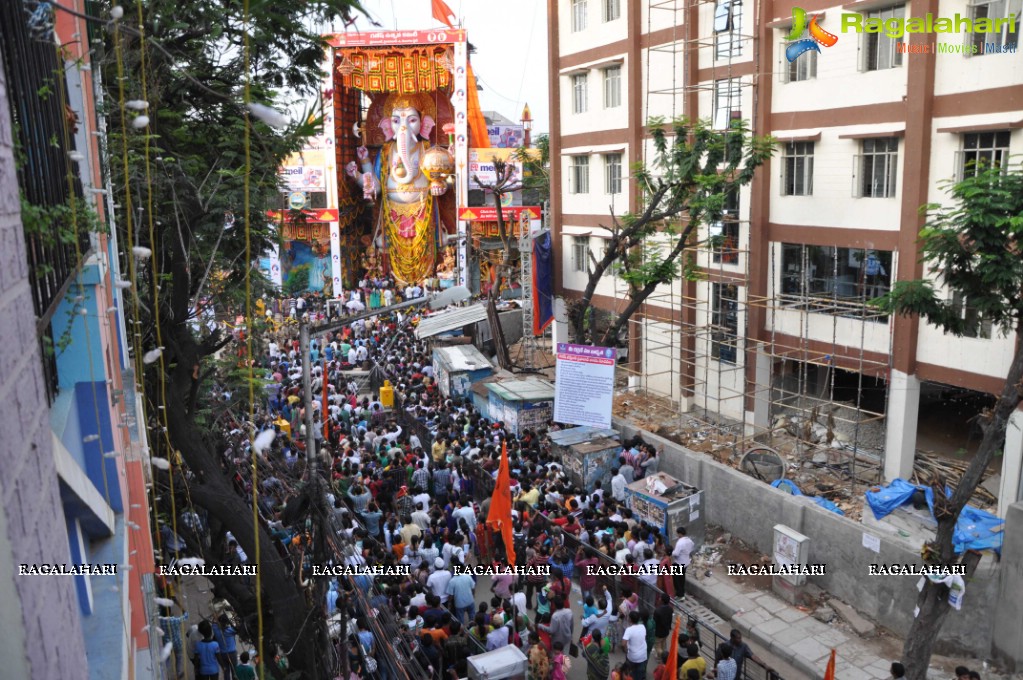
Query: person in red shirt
[587, 581]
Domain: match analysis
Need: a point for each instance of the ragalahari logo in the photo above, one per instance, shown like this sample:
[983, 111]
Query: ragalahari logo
[818, 36]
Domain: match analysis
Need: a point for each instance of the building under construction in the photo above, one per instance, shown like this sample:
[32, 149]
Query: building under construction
[776, 342]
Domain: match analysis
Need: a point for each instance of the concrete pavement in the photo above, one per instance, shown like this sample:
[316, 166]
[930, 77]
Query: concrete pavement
[789, 633]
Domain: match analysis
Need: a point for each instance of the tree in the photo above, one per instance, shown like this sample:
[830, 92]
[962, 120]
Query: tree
[184, 171]
[536, 170]
[694, 169]
[973, 248]
[506, 183]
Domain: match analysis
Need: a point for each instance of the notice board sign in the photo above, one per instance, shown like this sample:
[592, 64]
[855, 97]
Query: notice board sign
[585, 384]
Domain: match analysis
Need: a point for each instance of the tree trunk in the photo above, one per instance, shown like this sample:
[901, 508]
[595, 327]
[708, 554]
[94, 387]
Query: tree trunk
[933, 600]
[284, 606]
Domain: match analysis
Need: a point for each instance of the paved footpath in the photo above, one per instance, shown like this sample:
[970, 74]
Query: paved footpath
[768, 622]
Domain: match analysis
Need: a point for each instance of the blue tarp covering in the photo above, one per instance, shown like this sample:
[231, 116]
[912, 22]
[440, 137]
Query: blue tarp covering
[790, 487]
[973, 530]
[896, 494]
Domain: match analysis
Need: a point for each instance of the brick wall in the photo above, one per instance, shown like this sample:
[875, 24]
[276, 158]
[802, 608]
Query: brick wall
[29, 493]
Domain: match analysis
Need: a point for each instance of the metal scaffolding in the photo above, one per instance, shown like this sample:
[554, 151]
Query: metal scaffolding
[693, 338]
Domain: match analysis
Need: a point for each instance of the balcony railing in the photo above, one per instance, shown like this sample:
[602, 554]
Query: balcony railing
[36, 88]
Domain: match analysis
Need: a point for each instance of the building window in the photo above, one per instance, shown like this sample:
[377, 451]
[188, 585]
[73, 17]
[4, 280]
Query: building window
[580, 174]
[982, 150]
[797, 169]
[835, 280]
[579, 100]
[580, 253]
[578, 15]
[976, 325]
[1006, 34]
[879, 50]
[724, 234]
[612, 173]
[727, 29]
[612, 87]
[874, 170]
[726, 102]
[612, 10]
[801, 69]
[725, 321]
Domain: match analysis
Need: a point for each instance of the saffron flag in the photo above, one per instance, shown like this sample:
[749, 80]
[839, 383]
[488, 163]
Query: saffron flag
[829, 673]
[671, 665]
[499, 518]
[443, 13]
[543, 282]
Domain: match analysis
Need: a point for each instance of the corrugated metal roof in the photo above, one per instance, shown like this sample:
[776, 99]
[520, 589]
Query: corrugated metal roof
[527, 389]
[450, 320]
[461, 358]
[578, 435]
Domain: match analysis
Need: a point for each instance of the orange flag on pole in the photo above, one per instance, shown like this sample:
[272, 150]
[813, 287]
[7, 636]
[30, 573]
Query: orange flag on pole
[671, 665]
[443, 13]
[829, 673]
[500, 516]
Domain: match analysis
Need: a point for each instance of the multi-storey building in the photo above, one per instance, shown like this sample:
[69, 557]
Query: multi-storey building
[868, 130]
[73, 443]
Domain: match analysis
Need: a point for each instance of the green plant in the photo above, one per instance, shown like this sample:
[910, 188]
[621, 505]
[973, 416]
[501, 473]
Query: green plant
[298, 280]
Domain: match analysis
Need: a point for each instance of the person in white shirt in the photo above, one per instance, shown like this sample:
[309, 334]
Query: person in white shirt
[618, 484]
[464, 511]
[275, 350]
[681, 556]
[634, 643]
[438, 580]
[421, 518]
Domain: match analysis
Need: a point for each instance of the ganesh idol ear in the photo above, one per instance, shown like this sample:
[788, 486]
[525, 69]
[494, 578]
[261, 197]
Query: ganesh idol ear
[427, 127]
[385, 125]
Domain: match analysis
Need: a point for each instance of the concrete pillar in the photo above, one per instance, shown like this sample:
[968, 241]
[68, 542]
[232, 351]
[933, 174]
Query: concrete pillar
[1007, 639]
[1009, 490]
[560, 332]
[900, 425]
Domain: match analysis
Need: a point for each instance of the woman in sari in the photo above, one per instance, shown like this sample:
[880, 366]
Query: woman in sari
[598, 662]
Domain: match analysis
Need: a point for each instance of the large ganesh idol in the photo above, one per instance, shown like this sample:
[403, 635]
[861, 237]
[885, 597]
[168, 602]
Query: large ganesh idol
[407, 215]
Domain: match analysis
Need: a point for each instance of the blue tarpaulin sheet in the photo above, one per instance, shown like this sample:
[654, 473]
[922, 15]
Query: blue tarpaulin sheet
[896, 494]
[973, 530]
[790, 487]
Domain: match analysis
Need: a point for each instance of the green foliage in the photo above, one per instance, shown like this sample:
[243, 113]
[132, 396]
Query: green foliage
[687, 183]
[194, 79]
[58, 224]
[537, 172]
[693, 171]
[298, 280]
[975, 248]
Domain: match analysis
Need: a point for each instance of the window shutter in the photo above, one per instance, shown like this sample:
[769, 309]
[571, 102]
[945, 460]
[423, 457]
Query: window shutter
[857, 169]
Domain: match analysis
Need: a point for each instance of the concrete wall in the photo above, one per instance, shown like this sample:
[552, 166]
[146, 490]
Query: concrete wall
[44, 609]
[838, 543]
[1008, 618]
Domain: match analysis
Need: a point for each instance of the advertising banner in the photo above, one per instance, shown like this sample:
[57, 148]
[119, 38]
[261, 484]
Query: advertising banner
[506, 136]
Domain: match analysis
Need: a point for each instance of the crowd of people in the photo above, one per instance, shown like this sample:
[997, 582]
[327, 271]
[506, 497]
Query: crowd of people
[409, 488]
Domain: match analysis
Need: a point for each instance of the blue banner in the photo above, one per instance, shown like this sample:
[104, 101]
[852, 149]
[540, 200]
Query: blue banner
[543, 282]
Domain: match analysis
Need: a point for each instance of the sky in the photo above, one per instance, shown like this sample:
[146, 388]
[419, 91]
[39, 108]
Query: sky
[511, 48]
